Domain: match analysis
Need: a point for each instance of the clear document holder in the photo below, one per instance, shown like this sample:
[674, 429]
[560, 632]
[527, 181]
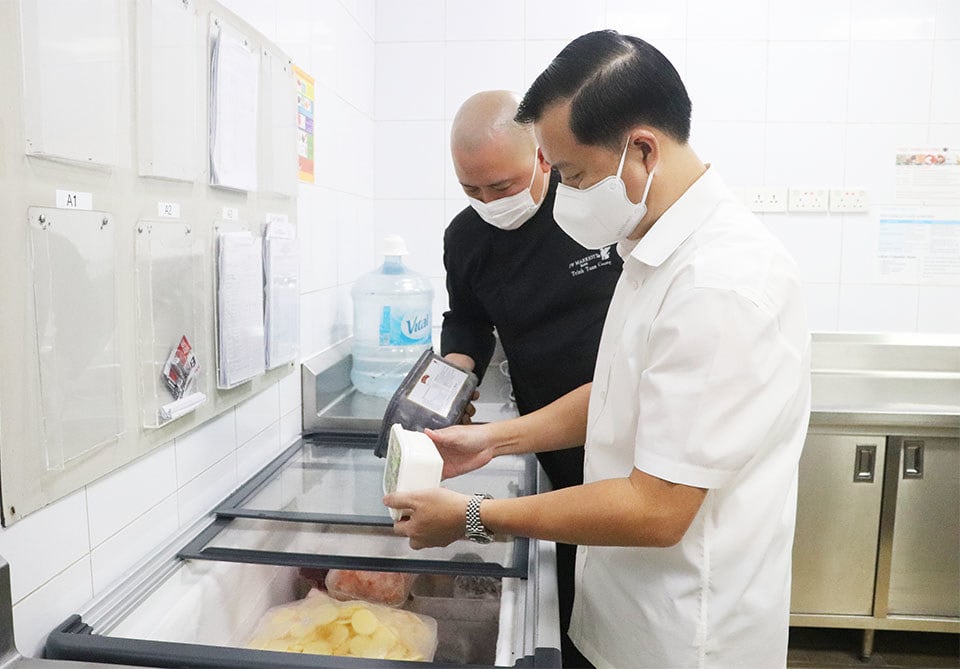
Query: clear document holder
[170, 262]
[168, 89]
[73, 277]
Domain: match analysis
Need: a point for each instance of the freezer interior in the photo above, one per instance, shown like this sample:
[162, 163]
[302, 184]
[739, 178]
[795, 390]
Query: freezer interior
[199, 604]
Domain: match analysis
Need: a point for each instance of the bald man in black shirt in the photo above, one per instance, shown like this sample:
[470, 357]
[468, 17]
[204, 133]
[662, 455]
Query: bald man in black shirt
[510, 267]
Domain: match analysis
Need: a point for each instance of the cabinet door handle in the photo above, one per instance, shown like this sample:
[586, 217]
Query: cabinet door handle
[864, 463]
[912, 459]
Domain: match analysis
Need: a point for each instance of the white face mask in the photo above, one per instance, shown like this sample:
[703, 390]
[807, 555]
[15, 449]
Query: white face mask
[509, 213]
[602, 214]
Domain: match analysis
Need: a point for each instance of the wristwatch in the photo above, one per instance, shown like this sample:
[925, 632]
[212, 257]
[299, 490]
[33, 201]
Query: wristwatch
[475, 529]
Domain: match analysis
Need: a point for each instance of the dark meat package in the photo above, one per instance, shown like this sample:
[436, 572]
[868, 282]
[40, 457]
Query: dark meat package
[383, 587]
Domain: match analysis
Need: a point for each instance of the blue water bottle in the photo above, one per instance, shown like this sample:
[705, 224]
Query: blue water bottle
[392, 308]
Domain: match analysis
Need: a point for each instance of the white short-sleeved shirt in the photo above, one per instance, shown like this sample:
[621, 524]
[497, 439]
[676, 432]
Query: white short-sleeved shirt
[702, 378]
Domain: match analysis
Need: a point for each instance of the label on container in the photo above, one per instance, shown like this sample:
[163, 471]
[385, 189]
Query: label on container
[438, 387]
[404, 328]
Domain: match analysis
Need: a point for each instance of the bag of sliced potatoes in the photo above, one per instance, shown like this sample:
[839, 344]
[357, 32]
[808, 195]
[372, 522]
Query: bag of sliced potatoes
[322, 625]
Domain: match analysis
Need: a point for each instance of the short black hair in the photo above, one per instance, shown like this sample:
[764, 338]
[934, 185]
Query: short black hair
[614, 82]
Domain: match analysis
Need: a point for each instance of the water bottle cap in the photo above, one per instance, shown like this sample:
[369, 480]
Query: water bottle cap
[393, 245]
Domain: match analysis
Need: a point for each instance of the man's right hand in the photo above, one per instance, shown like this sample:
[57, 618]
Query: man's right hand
[463, 448]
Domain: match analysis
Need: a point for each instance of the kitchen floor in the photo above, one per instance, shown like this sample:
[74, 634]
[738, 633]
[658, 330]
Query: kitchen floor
[839, 648]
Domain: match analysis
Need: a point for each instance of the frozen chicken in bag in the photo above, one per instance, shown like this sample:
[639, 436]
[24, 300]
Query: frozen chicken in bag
[382, 587]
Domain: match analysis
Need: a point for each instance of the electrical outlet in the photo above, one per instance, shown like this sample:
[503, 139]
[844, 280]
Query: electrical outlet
[766, 198]
[808, 199]
[849, 200]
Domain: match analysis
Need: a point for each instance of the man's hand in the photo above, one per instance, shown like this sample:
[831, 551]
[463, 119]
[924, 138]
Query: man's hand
[463, 448]
[431, 517]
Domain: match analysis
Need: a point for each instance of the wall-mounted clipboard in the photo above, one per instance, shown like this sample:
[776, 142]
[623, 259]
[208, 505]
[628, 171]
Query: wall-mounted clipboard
[76, 90]
[73, 277]
[170, 314]
[168, 89]
[239, 279]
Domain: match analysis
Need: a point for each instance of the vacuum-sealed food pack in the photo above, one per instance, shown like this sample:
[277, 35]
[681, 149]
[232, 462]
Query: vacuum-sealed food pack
[321, 625]
[382, 587]
[434, 394]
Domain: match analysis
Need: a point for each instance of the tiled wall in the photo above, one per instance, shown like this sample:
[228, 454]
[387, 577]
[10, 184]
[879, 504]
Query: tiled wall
[70, 551]
[811, 92]
[785, 93]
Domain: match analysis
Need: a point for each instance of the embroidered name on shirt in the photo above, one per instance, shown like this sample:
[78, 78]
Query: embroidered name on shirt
[596, 260]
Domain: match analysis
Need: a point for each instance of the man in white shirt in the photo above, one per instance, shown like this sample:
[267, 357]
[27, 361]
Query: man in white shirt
[698, 410]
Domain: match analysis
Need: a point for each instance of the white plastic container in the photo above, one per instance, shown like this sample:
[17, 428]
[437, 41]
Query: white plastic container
[413, 463]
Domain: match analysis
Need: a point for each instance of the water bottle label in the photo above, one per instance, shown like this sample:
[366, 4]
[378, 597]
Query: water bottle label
[404, 328]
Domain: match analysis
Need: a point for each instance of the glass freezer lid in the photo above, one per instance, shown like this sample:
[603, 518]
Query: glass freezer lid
[336, 478]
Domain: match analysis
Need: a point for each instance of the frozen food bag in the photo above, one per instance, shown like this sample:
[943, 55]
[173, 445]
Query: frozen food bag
[322, 625]
[382, 587]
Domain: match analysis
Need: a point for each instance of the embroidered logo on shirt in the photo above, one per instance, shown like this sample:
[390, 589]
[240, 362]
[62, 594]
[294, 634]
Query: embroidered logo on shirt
[596, 260]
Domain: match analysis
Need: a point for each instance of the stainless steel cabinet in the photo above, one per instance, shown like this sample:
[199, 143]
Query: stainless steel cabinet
[925, 556]
[838, 524]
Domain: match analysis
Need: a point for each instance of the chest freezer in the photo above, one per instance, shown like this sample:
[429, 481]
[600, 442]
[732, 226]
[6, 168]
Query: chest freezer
[318, 506]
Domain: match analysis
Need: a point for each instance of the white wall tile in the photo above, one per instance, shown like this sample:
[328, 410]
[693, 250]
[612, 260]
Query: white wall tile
[890, 82]
[876, 308]
[364, 12]
[355, 63]
[291, 425]
[289, 389]
[490, 20]
[649, 20]
[256, 413]
[323, 42]
[356, 238]
[730, 20]
[727, 81]
[196, 498]
[353, 153]
[790, 157]
[122, 551]
[537, 55]
[893, 19]
[410, 20]
[944, 134]
[734, 149]
[869, 159]
[330, 117]
[807, 81]
[204, 446]
[61, 596]
[409, 160]
[409, 81]
[562, 19]
[814, 242]
[471, 67]
[823, 306]
[257, 452]
[945, 99]
[45, 543]
[261, 15]
[317, 234]
[860, 246]
[948, 19]
[441, 303]
[810, 20]
[421, 223]
[939, 309]
[119, 498]
[318, 320]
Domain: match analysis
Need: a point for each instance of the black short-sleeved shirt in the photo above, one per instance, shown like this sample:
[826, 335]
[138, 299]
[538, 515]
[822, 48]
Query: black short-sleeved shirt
[546, 295]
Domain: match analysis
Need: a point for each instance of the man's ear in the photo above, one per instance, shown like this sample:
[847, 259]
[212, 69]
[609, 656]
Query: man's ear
[542, 162]
[648, 144]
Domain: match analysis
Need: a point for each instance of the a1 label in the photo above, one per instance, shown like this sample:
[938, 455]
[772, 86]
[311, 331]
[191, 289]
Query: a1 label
[231, 214]
[70, 199]
[168, 209]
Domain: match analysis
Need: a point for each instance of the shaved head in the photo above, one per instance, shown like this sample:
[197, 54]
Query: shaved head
[487, 119]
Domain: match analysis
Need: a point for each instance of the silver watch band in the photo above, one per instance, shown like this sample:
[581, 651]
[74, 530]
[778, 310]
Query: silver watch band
[475, 530]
